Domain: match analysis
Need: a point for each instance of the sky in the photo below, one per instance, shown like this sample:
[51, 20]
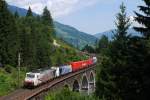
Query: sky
[90, 16]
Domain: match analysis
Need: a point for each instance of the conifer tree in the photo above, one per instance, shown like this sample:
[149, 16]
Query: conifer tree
[144, 29]
[122, 23]
[88, 48]
[29, 13]
[111, 79]
[16, 14]
[103, 45]
[144, 20]
[46, 17]
[29, 42]
[8, 36]
[47, 20]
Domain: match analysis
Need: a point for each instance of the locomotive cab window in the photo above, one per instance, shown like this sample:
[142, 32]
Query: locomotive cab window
[37, 76]
[30, 75]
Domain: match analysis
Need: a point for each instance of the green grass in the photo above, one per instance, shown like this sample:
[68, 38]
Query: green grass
[9, 80]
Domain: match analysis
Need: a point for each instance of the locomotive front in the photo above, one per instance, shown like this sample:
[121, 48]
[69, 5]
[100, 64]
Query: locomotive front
[31, 79]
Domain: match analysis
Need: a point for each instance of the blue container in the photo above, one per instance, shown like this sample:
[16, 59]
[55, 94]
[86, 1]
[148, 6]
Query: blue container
[65, 69]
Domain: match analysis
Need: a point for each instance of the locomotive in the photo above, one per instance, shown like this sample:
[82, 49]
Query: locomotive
[40, 76]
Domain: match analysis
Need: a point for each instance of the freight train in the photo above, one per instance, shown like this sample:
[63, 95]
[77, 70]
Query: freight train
[40, 76]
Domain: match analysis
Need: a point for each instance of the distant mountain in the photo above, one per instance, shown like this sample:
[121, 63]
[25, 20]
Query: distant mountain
[21, 11]
[67, 33]
[111, 33]
[74, 36]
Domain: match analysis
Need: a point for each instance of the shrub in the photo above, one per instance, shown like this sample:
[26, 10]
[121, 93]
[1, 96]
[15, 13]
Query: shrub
[8, 68]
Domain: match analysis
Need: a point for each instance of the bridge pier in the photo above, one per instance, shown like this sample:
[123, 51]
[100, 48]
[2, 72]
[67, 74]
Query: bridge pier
[91, 87]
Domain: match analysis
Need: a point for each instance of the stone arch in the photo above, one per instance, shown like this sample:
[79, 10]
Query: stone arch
[66, 86]
[84, 84]
[76, 86]
[91, 77]
[91, 82]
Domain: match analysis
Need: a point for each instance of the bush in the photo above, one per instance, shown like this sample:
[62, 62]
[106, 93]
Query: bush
[8, 68]
[66, 94]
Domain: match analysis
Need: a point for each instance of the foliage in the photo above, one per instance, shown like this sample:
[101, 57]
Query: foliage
[88, 49]
[103, 45]
[144, 20]
[111, 78]
[9, 80]
[8, 32]
[29, 13]
[65, 94]
[8, 68]
[122, 24]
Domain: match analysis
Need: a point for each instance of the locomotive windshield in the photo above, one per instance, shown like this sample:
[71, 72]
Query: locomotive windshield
[30, 75]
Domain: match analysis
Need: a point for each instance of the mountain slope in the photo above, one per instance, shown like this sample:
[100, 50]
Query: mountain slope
[110, 33]
[73, 36]
[21, 11]
[67, 33]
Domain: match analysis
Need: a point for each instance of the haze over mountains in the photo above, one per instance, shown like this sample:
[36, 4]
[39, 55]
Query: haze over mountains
[111, 33]
[65, 32]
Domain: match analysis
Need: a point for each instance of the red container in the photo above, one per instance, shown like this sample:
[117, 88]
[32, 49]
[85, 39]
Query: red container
[85, 63]
[76, 65]
[90, 61]
[81, 64]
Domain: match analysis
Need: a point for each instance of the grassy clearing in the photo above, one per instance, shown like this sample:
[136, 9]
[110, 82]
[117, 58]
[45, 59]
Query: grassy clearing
[9, 79]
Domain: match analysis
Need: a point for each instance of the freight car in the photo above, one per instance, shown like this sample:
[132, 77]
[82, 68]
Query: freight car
[81, 64]
[62, 70]
[65, 69]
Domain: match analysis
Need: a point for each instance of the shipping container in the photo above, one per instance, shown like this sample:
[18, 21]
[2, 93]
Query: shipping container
[76, 65]
[81, 64]
[90, 61]
[57, 73]
[65, 69]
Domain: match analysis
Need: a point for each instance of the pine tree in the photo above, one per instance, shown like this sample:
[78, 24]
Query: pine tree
[16, 14]
[111, 79]
[103, 45]
[29, 42]
[88, 48]
[144, 20]
[119, 54]
[46, 17]
[122, 23]
[47, 20]
[29, 13]
[8, 36]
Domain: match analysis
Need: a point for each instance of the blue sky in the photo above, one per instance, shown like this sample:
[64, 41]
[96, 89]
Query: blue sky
[91, 16]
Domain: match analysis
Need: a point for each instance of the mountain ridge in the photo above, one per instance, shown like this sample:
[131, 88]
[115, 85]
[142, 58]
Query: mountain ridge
[110, 33]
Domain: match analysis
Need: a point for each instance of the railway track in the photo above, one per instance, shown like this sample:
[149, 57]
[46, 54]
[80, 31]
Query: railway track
[26, 94]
